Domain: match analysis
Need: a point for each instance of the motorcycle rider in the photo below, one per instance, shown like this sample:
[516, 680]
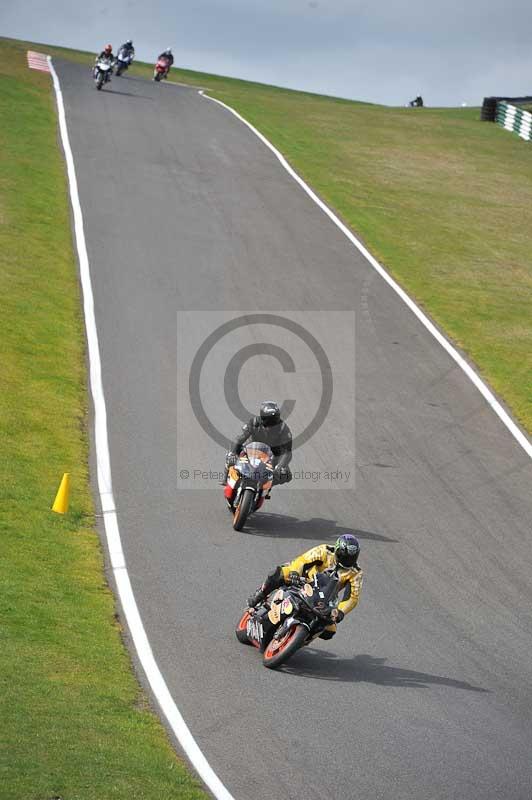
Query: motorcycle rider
[268, 428]
[128, 49]
[105, 55]
[343, 555]
[169, 57]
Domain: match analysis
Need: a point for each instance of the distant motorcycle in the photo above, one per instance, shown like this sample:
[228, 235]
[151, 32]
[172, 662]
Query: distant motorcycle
[123, 60]
[249, 482]
[291, 617]
[162, 68]
[103, 71]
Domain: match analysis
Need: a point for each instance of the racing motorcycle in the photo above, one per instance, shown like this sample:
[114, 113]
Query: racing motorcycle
[103, 71]
[162, 68]
[123, 60]
[291, 617]
[249, 482]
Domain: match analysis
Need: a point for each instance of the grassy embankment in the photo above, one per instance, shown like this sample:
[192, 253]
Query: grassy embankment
[74, 722]
[443, 201]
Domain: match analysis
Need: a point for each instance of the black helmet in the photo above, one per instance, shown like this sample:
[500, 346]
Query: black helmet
[346, 550]
[270, 413]
[129, 42]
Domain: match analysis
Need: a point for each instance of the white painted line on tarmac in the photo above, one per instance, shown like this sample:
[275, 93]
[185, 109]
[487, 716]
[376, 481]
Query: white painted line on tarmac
[488, 395]
[116, 554]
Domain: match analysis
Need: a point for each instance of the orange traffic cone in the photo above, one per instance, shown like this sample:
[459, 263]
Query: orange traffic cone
[60, 505]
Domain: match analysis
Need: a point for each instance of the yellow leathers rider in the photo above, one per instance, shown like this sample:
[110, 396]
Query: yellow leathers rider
[343, 555]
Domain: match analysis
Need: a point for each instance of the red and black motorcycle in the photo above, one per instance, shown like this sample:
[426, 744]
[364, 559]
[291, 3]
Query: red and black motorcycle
[290, 617]
[162, 68]
[249, 482]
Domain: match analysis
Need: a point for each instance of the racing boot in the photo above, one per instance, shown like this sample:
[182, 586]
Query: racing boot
[273, 581]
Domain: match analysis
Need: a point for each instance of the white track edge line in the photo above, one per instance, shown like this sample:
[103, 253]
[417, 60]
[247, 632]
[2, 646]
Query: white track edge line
[488, 395]
[125, 591]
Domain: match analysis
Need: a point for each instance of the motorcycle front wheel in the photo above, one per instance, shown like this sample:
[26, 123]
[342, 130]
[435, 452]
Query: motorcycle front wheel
[99, 81]
[243, 509]
[241, 632]
[280, 650]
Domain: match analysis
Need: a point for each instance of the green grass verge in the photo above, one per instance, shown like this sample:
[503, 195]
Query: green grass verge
[441, 199]
[74, 722]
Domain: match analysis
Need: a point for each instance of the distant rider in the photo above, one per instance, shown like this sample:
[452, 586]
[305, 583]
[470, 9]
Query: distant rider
[128, 49]
[168, 55]
[269, 429]
[106, 55]
[343, 555]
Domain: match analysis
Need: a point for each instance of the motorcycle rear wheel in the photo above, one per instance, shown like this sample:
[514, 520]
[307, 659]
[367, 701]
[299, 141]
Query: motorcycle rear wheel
[243, 509]
[278, 652]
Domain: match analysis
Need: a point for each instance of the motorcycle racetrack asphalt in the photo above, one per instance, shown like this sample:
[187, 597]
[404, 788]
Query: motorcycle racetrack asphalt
[425, 692]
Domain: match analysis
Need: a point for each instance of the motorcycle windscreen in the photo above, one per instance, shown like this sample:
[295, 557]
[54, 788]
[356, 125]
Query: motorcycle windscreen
[325, 585]
[258, 453]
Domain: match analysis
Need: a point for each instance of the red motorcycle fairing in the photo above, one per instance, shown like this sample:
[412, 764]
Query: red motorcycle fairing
[162, 65]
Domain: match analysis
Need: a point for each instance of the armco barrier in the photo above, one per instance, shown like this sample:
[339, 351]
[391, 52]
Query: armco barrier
[511, 117]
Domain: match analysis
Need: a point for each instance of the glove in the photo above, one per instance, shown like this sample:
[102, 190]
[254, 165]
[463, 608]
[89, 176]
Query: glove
[230, 459]
[294, 578]
[337, 615]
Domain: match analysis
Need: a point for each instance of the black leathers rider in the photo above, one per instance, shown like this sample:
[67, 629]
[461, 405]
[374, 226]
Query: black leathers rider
[269, 429]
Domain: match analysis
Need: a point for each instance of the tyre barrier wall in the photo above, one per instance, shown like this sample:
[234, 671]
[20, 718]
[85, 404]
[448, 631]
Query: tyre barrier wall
[509, 116]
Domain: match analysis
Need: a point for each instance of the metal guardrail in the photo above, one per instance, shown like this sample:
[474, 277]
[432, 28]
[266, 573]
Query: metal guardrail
[509, 116]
